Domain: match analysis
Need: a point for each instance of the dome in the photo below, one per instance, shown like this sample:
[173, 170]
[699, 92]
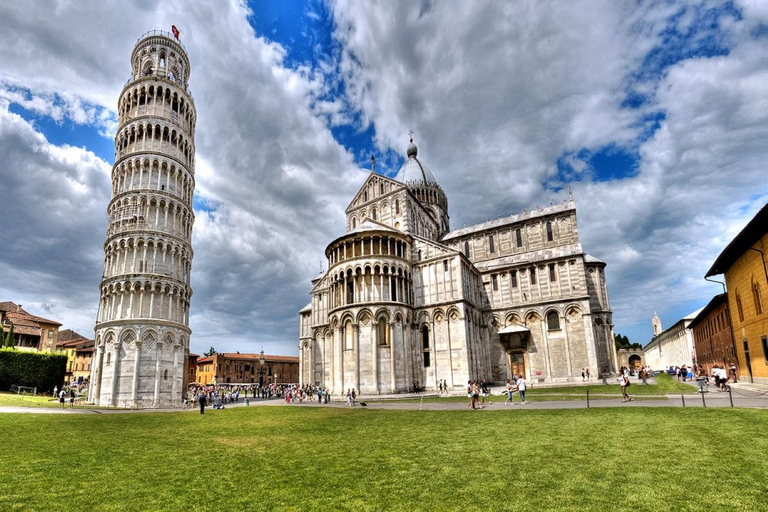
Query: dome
[413, 170]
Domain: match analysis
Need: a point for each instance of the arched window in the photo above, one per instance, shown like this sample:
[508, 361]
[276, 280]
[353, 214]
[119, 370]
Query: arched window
[549, 232]
[466, 249]
[382, 332]
[165, 375]
[758, 300]
[354, 223]
[381, 188]
[519, 238]
[552, 273]
[533, 275]
[513, 278]
[553, 321]
[397, 207]
[348, 334]
[425, 345]
[490, 244]
[365, 195]
[373, 214]
[739, 308]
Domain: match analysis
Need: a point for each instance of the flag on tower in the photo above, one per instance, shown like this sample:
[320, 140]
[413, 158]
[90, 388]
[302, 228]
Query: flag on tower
[175, 31]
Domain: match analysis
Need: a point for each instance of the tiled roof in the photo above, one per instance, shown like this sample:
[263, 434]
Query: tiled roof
[268, 358]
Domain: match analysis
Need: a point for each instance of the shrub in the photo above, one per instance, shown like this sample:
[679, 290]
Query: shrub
[42, 370]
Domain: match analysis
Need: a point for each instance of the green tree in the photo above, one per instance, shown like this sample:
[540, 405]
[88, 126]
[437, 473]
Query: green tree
[622, 342]
[9, 341]
[210, 352]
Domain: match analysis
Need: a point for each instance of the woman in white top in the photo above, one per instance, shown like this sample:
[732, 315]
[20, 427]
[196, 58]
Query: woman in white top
[521, 387]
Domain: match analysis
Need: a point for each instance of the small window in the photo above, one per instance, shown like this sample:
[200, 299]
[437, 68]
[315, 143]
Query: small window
[519, 238]
[373, 215]
[381, 188]
[513, 278]
[50, 333]
[466, 249]
[552, 273]
[549, 232]
[764, 339]
[533, 275]
[756, 296]
[495, 283]
[397, 207]
[490, 244]
[393, 288]
[426, 359]
[553, 321]
[419, 254]
[365, 195]
[739, 308]
[445, 265]
[165, 375]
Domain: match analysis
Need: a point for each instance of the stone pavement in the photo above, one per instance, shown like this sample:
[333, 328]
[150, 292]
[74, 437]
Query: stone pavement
[742, 395]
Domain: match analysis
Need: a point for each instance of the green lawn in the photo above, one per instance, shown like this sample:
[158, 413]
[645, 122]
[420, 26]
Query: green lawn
[308, 458]
[12, 399]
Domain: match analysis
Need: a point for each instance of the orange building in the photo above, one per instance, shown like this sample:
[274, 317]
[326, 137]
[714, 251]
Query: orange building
[743, 262]
[713, 337]
[192, 367]
[237, 368]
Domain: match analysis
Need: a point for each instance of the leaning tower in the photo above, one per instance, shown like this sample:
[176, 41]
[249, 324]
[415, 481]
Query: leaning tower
[142, 327]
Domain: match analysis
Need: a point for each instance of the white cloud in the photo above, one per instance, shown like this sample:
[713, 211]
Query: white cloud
[496, 93]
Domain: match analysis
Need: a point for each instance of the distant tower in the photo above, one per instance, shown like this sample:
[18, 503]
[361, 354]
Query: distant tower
[142, 327]
[656, 324]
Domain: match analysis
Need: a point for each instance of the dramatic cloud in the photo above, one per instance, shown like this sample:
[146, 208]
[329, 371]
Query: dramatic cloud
[654, 114]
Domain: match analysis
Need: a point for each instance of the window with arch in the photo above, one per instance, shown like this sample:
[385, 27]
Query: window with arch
[513, 278]
[495, 280]
[354, 223]
[381, 188]
[348, 336]
[466, 249]
[553, 321]
[365, 195]
[758, 300]
[549, 232]
[373, 214]
[393, 288]
[425, 345]
[397, 206]
[739, 308]
[382, 332]
[532, 274]
[165, 374]
[519, 238]
[491, 247]
[552, 273]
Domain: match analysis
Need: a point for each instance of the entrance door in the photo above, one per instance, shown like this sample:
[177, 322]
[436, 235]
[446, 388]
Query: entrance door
[516, 363]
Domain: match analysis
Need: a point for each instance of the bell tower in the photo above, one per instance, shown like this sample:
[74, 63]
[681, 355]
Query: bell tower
[142, 327]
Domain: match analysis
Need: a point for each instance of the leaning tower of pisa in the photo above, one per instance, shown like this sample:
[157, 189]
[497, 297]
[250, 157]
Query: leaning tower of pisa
[142, 327]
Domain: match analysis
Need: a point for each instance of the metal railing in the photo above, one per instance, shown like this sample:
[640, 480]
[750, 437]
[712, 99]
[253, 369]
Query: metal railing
[163, 33]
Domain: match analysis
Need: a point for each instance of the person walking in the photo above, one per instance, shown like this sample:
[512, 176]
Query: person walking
[733, 373]
[202, 403]
[55, 391]
[583, 375]
[469, 395]
[62, 397]
[354, 395]
[521, 387]
[587, 373]
[71, 398]
[624, 383]
[510, 390]
[475, 395]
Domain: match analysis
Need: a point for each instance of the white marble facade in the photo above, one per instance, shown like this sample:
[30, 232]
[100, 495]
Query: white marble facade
[407, 300]
[142, 328]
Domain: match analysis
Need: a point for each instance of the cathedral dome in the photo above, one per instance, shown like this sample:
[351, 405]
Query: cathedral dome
[413, 171]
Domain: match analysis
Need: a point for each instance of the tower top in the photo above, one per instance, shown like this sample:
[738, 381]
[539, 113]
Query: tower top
[160, 54]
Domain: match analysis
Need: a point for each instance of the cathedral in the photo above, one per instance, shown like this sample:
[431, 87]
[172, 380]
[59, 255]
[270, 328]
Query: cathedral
[407, 301]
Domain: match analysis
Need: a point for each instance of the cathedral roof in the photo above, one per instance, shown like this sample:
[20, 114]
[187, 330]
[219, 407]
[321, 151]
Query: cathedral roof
[413, 171]
[502, 221]
[588, 258]
[371, 225]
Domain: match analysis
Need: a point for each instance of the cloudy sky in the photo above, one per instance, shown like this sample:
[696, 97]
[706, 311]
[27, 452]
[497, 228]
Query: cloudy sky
[655, 114]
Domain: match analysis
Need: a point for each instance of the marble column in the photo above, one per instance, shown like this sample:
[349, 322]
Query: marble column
[135, 386]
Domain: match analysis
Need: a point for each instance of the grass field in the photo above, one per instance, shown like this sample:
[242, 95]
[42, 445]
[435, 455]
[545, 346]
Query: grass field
[307, 458]
[12, 399]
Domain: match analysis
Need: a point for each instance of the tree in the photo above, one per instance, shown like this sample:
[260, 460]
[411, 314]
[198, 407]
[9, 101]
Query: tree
[210, 352]
[621, 341]
[9, 341]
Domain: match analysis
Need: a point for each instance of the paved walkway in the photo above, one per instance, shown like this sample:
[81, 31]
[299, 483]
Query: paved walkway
[742, 395]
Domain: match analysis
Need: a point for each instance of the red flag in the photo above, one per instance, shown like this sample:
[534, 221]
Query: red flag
[175, 31]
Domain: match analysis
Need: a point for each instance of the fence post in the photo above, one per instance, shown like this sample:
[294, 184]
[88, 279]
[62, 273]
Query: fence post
[730, 395]
[587, 398]
[683, 397]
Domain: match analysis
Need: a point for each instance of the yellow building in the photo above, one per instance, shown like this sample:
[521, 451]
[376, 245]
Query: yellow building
[743, 262]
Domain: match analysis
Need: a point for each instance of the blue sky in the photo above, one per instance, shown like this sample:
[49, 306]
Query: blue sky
[652, 113]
